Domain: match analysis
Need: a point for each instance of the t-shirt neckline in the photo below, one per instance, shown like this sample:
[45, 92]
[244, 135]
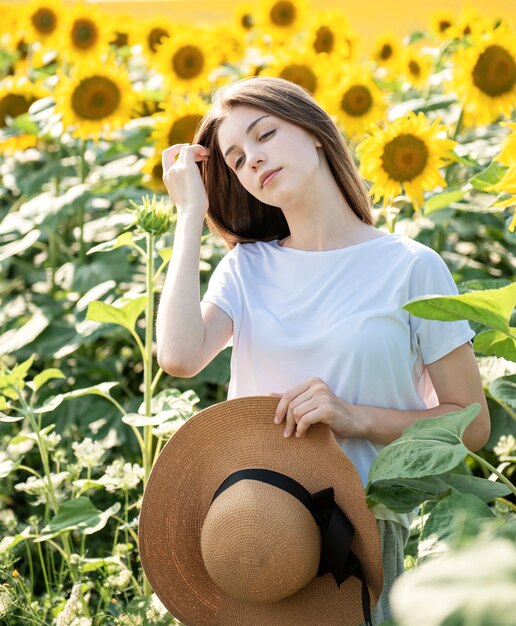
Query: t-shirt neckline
[363, 244]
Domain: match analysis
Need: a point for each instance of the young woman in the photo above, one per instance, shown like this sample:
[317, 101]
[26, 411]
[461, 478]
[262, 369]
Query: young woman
[310, 292]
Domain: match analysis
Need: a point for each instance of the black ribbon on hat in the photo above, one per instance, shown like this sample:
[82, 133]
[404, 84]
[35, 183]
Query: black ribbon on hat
[336, 530]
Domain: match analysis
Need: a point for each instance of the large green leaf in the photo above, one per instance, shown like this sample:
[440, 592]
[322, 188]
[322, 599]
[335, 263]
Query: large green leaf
[478, 583]
[496, 343]
[490, 176]
[102, 389]
[405, 494]
[443, 200]
[504, 390]
[78, 514]
[430, 446]
[492, 307]
[125, 239]
[454, 513]
[125, 315]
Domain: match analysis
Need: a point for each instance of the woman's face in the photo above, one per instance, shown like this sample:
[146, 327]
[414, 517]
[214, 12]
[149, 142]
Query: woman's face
[255, 143]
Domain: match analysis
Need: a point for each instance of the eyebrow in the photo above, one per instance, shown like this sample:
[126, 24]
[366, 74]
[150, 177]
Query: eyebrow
[247, 131]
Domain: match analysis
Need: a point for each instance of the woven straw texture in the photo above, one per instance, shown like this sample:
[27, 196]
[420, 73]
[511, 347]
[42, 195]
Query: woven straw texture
[214, 443]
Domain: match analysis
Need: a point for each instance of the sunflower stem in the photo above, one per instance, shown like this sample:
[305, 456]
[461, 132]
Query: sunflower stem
[82, 178]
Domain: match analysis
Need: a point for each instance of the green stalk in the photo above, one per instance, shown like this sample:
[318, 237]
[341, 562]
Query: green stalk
[82, 178]
[43, 568]
[147, 363]
[504, 480]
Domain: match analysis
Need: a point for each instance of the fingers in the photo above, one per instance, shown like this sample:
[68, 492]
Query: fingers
[185, 153]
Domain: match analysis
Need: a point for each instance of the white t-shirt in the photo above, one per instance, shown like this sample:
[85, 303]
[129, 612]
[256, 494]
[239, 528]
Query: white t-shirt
[337, 314]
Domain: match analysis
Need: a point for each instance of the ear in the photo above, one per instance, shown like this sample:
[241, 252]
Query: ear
[318, 144]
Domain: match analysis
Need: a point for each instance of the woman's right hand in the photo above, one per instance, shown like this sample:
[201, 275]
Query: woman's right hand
[183, 179]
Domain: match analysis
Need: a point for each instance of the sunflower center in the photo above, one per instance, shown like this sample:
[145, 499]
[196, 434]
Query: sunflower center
[84, 34]
[283, 13]
[247, 21]
[95, 98]
[44, 20]
[495, 71]
[444, 25]
[155, 36]
[386, 51]
[356, 101]
[188, 62]
[324, 39]
[13, 104]
[183, 129]
[301, 75]
[157, 172]
[404, 157]
[120, 40]
[23, 48]
[414, 68]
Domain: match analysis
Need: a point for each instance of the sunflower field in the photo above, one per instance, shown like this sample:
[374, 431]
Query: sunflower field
[87, 105]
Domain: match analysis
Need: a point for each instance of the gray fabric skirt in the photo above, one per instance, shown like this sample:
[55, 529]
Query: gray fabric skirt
[393, 538]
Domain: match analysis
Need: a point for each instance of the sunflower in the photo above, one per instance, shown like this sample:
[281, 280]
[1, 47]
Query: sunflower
[123, 33]
[85, 33]
[416, 67]
[354, 99]
[468, 23]
[187, 59]
[387, 51]
[42, 21]
[484, 77]
[152, 34]
[405, 155]
[152, 171]
[507, 183]
[97, 98]
[442, 24]
[177, 124]
[282, 18]
[232, 46]
[17, 93]
[330, 33]
[244, 19]
[302, 67]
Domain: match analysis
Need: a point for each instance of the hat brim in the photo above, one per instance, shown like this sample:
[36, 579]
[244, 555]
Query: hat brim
[215, 442]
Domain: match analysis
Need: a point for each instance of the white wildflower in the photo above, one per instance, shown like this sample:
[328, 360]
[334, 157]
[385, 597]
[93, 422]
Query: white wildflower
[88, 452]
[169, 428]
[156, 610]
[51, 441]
[6, 602]
[130, 620]
[16, 450]
[81, 621]
[122, 476]
[121, 580]
[71, 608]
[505, 446]
[39, 486]
[8, 518]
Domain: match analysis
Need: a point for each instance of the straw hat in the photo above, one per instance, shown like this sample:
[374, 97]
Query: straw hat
[232, 531]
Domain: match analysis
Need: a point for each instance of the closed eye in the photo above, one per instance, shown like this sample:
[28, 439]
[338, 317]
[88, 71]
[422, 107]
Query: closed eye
[239, 161]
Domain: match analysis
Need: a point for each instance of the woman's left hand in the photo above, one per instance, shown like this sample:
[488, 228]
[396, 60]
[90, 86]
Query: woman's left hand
[311, 402]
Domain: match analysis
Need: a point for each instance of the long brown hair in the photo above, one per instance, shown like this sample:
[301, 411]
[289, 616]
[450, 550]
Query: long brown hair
[235, 214]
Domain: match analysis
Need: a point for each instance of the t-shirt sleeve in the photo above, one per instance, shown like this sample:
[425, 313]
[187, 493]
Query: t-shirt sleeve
[223, 289]
[435, 338]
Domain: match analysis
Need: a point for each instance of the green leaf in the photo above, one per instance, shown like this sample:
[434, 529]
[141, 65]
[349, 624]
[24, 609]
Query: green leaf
[125, 239]
[430, 446]
[496, 343]
[402, 495]
[20, 371]
[25, 124]
[125, 315]
[44, 376]
[78, 514]
[492, 307]
[102, 389]
[490, 176]
[477, 582]
[449, 517]
[443, 200]
[504, 390]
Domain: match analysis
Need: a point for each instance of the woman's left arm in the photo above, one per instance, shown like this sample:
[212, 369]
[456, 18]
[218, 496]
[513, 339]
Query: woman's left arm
[456, 380]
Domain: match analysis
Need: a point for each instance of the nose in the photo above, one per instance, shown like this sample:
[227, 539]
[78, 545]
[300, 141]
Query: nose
[255, 158]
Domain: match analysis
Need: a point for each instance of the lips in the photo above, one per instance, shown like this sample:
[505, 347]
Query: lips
[266, 174]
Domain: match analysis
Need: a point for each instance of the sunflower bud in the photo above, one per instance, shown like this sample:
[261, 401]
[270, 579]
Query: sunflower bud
[153, 216]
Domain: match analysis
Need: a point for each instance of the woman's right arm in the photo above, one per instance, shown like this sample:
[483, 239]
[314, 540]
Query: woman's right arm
[189, 334]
